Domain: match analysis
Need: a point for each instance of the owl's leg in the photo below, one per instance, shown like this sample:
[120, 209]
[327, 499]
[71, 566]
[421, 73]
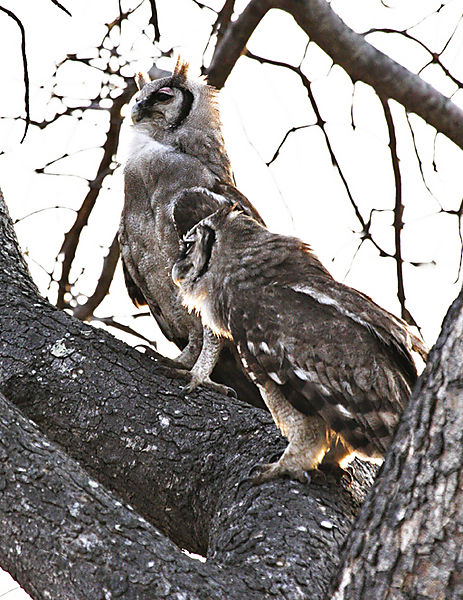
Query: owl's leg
[207, 359]
[189, 355]
[307, 435]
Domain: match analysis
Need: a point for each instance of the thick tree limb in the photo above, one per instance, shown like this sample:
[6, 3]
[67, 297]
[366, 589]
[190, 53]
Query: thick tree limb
[233, 40]
[350, 50]
[408, 540]
[363, 62]
[182, 463]
[63, 536]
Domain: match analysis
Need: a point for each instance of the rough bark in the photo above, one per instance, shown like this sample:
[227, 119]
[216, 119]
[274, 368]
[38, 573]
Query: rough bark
[348, 49]
[408, 539]
[181, 462]
[63, 536]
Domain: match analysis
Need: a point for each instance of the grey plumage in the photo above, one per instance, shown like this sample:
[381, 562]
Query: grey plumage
[334, 368]
[177, 162]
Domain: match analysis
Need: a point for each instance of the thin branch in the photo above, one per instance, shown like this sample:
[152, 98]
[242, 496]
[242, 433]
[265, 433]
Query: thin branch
[59, 5]
[154, 20]
[398, 213]
[40, 210]
[71, 239]
[285, 137]
[85, 311]
[111, 322]
[398, 205]
[25, 69]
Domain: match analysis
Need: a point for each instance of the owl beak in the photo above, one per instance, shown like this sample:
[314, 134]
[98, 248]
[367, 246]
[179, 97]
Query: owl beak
[176, 275]
[137, 113]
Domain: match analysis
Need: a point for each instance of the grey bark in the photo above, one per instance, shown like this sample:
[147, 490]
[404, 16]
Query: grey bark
[408, 539]
[63, 536]
[181, 462]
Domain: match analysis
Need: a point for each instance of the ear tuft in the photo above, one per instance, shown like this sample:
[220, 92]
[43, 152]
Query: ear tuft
[181, 69]
[141, 80]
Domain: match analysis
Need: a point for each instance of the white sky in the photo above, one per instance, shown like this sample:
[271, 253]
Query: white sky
[301, 194]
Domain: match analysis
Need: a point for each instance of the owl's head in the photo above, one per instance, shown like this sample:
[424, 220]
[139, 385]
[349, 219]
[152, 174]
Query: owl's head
[165, 106]
[199, 248]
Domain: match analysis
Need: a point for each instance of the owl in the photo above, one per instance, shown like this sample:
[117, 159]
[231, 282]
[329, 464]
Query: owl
[333, 367]
[177, 159]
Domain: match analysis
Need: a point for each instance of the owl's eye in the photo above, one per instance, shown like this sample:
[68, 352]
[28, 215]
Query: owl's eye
[164, 94]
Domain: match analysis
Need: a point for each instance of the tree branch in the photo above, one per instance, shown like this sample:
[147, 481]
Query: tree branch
[85, 311]
[182, 462]
[71, 239]
[363, 62]
[62, 535]
[350, 50]
[233, 40]
[25, 69]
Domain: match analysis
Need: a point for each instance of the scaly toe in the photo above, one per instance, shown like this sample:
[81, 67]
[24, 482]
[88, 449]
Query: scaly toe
[270, 471]
[217, 387]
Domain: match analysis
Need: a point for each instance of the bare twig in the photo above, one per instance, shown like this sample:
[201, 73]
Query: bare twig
[154, 20]
[25, 69]
[398, 213]
[285, 137]
[85, 311]
[71, 239]
[110, 322]
[59, 5]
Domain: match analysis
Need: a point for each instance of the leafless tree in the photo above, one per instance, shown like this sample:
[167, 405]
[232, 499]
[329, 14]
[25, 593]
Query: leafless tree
[119, 471]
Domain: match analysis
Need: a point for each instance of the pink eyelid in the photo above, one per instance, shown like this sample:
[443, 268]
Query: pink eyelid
[166, 90]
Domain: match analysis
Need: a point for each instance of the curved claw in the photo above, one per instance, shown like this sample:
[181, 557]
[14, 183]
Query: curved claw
[217, 387]
[269, 471]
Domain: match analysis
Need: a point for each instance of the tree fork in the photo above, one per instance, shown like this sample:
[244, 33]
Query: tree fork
[182, 462]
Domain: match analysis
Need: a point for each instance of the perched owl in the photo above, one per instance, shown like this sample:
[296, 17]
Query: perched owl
[177, 159]
[334, 368]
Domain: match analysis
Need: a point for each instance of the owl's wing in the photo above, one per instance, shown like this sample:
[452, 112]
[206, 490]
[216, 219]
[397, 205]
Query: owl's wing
[135, 293]
[392, 332]
[193, 205]
[326, 364]
[137, 297]
[234, 197]
[196, 203]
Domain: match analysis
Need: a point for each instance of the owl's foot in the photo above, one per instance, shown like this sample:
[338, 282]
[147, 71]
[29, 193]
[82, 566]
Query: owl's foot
[217, 387]
[270, 471]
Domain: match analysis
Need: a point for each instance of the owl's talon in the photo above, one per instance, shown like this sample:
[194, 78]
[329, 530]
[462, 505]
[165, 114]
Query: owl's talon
[269, 471]
[217, 387]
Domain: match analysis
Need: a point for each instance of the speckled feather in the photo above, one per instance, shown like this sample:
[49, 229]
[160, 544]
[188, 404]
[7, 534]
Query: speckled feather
[330, 350]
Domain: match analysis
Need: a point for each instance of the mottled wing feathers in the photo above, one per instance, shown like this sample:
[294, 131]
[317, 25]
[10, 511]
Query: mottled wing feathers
[235, 197]
[196, 203]
[192, 206]
[326, 364]
[390, 331]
